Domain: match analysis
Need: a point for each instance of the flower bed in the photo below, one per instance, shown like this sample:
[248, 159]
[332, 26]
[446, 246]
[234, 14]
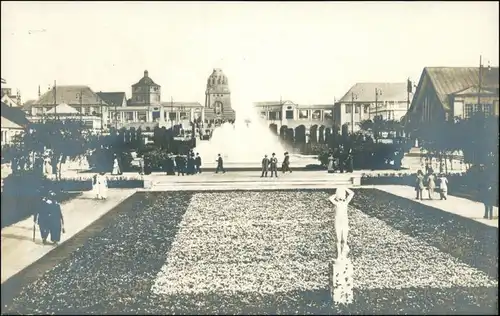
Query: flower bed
[267, 252]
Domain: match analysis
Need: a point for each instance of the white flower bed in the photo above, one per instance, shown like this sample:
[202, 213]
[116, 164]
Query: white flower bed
[276, 242]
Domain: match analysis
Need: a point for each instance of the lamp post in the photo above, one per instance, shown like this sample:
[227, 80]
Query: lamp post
[79, 96]
[480, 82]
[378, 93]
[353, 97]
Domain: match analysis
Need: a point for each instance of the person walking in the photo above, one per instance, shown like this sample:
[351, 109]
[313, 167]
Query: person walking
[197, 162]
[419, 184]
[56, 220]
[102, 186]
[179, 162]
[41, 217]
[95, 187]
[331, 165]
[273, 162]
[116, 167]
[286, 164]
[431, 185]
[220, 165]
[265, 166]
[443, 186]
[487, 196]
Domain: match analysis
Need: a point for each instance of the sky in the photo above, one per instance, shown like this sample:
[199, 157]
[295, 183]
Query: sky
[306, 52]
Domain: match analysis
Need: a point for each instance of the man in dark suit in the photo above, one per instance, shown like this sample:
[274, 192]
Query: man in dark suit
[265, 166]
[179, 162]
[274, 165]
[197, 161]
[220, 165]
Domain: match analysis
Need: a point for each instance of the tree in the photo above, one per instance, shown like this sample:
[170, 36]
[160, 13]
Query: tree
[60, 139]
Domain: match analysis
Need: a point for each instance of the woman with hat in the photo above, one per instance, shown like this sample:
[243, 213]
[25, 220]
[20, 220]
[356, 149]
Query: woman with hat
[55, 217]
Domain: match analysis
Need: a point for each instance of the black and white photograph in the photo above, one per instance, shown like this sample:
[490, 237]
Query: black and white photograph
[249, 158]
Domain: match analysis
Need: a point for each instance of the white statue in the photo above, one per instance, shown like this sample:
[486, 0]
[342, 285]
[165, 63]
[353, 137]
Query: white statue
[341, 200]
[342, 269]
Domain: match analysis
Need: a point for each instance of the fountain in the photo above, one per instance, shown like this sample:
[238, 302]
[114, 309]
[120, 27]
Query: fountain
[244, 143]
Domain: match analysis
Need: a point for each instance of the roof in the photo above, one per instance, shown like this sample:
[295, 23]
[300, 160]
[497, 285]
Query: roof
[14, 114]
[184, 104]
[365, 92]
[315, 106]
[27, 105]
[273, 103]
[9, 100]
[448, 80]
[6, 123]
[112, 98]
[62, 108]
[70, 95]
[146, 81]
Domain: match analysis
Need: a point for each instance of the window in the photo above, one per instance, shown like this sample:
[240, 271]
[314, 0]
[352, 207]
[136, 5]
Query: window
[172, 116]
[86, 110]
[263, 115]
[316, 115]
[274, 115]
[289, 114]
[366, 108]
[328, 115]
[183, 116]
[348, 108]
[468, 110]
[142, 117]
[487, 109]
[303, 114]
[356, 108]
[129, 116]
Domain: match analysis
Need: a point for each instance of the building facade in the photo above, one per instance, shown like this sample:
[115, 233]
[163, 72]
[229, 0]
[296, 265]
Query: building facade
[218, 98]
[13, 122]
[292, 115]
[365, 101]
[86, 104]
[444, 93]
[145, 92]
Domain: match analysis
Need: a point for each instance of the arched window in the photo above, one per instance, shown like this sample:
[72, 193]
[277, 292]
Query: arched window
[218, 108]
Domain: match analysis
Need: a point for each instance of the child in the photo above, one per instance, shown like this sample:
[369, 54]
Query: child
[341, 200]
[443, 186]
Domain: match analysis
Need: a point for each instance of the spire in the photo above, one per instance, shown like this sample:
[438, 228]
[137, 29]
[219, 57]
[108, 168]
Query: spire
[146, 73]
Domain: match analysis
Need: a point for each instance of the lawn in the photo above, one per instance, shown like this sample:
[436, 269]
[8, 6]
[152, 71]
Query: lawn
[268, 252]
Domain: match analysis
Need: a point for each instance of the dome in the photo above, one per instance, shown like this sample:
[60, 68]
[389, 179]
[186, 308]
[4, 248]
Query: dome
[146, 81]
[217, 78]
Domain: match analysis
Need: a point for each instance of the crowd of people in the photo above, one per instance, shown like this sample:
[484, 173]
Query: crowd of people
[271, 164]
[438, 183]
[188, 164]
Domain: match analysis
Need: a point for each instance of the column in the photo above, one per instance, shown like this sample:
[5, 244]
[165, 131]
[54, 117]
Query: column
[135, 116]
[192, 115]
[203, 115]
[162, 114]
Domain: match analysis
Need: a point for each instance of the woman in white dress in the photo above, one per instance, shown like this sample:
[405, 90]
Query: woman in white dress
[341, 200]
[95, 187]
[102, 183]
[116, 167]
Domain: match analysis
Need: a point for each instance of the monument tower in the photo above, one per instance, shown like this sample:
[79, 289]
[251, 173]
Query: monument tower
[218, 98]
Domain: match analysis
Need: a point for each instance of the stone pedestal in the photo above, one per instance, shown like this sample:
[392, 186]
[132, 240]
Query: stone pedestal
[341, 281]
